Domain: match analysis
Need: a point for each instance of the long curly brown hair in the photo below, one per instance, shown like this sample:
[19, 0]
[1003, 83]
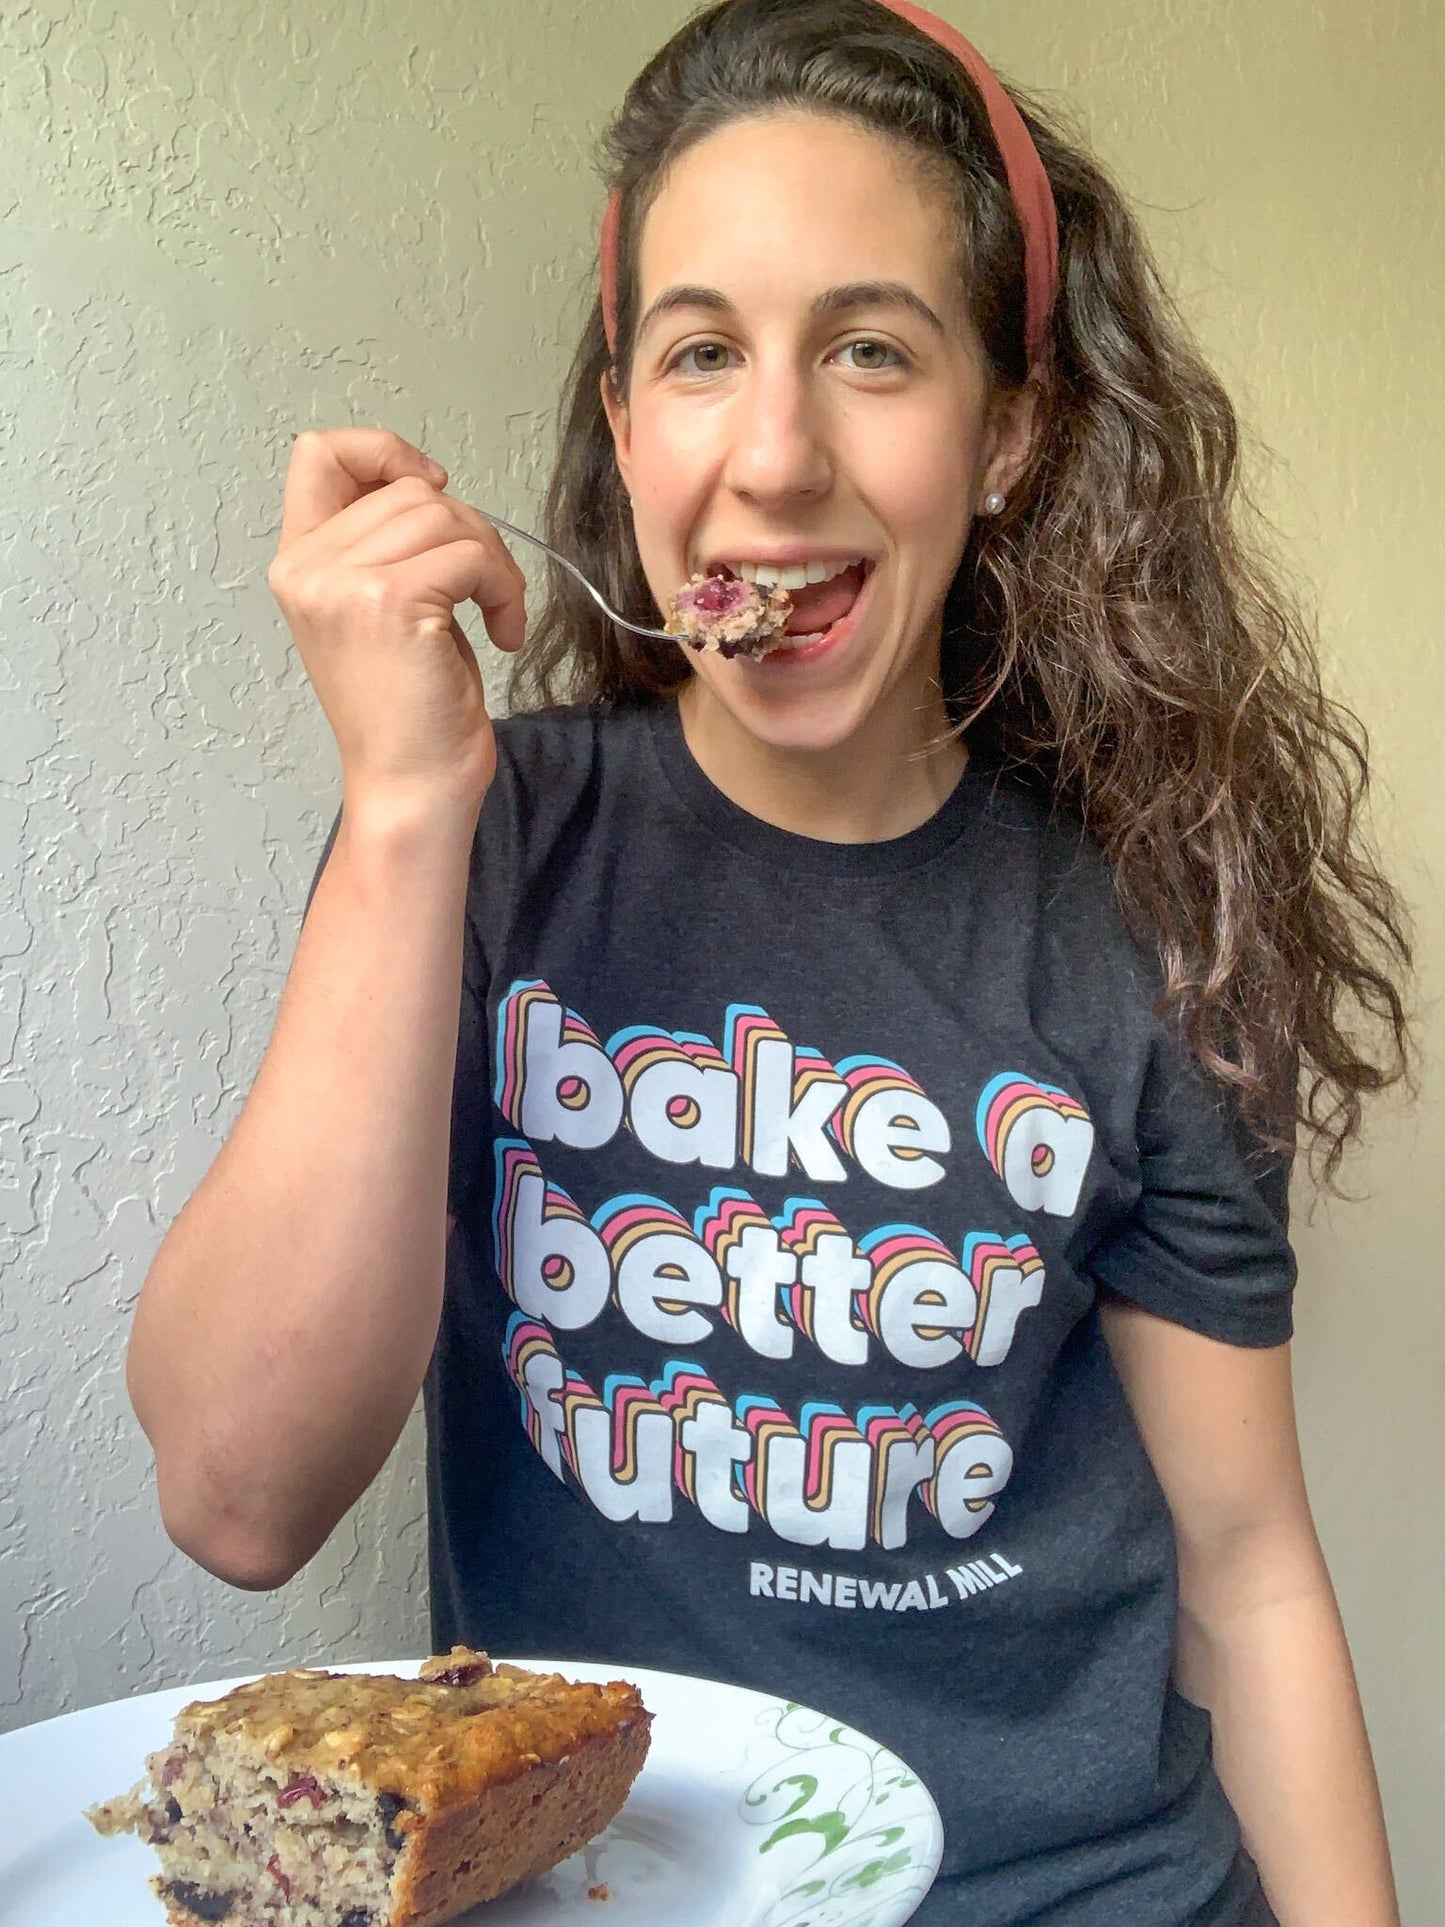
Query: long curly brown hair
[1116, 629]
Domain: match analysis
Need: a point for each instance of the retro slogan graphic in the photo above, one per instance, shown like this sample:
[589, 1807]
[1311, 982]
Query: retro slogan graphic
[795, 1285]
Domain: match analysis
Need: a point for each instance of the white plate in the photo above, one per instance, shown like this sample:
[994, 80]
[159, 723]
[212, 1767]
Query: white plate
[750, 1812]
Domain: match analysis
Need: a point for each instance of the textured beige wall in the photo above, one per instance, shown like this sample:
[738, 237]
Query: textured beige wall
[217, 225]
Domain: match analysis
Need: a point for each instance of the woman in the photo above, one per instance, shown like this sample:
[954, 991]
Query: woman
[1022, 888]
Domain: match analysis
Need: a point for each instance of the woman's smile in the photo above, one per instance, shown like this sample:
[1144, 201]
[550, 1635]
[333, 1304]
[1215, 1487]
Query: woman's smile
[823, 628]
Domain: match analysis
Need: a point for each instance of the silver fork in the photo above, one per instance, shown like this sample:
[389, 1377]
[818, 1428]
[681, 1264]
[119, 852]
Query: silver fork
[658, 635]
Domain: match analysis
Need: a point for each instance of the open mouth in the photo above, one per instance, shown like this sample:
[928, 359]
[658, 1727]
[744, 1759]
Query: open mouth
[816, 607]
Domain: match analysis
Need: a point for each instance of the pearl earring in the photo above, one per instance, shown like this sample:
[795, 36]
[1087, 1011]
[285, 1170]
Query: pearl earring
[993, 502]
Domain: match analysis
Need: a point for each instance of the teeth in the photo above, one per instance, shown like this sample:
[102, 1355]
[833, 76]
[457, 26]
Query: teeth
[797, 577]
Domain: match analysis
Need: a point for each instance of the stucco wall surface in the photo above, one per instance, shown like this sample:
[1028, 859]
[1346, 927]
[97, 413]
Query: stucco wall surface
[219, 225]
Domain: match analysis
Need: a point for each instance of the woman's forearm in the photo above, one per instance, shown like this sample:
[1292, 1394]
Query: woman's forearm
[285, 1325]
[1262, 1645]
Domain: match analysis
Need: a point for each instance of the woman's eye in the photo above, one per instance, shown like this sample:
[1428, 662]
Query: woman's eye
[704, 367]
[873, 349]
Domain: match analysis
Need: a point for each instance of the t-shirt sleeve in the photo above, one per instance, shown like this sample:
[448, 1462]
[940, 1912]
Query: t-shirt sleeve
[1206, 1243]
[470, 1080]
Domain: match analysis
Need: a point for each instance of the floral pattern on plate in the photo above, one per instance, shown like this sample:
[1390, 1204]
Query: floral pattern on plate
[852, 1852]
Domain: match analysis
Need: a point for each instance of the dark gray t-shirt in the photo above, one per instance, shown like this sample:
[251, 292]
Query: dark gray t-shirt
[788, 1176]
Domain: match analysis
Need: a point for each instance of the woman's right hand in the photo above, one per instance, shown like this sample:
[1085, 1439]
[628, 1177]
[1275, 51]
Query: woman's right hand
[373, 557]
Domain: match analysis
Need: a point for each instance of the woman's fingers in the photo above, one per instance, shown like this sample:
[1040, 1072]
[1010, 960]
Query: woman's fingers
[462, 571]
[415, 522]
[499, 587]
[339, 537]
[373, 560]
[332, 468]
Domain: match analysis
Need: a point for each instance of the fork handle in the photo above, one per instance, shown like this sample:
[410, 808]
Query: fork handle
[510, 528]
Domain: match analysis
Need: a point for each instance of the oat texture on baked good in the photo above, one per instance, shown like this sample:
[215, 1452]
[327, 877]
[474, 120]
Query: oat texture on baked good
[726, 614]
[319, 1799]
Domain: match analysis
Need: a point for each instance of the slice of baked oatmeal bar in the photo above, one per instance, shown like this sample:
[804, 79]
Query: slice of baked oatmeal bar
[316, 1799]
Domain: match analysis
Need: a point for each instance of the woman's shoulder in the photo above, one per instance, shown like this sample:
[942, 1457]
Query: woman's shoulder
[1043, 844]
[1045, 877]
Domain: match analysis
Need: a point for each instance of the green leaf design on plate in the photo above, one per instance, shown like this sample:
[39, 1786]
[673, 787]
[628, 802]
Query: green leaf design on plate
[857, 1869]
[831, 1826]
[806, 1781]
[873, 1871]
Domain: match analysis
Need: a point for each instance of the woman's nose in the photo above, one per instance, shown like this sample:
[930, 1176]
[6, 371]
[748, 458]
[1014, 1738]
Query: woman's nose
[777, 440]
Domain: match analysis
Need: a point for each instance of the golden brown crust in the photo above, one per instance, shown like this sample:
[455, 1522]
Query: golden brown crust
[468, 1854]
[430, 1741]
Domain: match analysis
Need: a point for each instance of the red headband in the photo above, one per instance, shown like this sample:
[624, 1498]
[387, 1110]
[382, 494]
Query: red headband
[1028, 182]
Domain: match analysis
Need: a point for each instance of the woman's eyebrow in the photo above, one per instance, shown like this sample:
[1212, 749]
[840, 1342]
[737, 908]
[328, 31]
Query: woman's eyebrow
[831, 302]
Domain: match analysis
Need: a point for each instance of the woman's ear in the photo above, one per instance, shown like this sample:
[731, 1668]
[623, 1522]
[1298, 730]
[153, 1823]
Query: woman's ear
[620, 422]
[1013, 425]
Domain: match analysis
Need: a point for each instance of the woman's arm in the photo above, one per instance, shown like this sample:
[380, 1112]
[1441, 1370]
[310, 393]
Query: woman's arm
[285, 1324]
[1261, 1644]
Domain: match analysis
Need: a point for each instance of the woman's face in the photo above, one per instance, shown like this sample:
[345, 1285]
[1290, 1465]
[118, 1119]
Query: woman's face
[805, 387]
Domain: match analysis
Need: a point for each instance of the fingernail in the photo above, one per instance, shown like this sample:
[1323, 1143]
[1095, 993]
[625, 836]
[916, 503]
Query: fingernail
[434, 469]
